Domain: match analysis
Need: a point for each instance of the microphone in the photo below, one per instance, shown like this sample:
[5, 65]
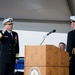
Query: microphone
[51, 32]
[47, 35]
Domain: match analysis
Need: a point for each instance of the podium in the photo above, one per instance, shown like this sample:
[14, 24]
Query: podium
[45, 60]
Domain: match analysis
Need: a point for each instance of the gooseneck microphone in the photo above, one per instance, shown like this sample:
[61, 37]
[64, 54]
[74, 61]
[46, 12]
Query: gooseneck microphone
[47, 35]
[51, 32]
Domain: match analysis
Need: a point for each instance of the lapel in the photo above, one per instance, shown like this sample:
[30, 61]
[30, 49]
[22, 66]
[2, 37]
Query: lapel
[14, 37]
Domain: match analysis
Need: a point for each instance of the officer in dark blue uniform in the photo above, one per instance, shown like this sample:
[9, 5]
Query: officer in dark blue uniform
[9, 48]
[71, 46]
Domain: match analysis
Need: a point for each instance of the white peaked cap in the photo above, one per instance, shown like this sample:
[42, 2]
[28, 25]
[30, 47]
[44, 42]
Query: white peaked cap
[7, 20]
[72, 18]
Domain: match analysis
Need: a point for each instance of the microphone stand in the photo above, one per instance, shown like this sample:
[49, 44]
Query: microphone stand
[43, 39]
[47, 35]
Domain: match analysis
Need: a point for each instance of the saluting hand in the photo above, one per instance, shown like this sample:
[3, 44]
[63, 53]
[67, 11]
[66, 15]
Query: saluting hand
[5, 28]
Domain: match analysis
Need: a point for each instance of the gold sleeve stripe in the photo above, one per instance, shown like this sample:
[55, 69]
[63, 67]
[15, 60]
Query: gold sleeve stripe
[1, 35]
[17, 54]
[69, 58]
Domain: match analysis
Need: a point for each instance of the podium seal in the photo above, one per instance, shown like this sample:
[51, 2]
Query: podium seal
[34, 71]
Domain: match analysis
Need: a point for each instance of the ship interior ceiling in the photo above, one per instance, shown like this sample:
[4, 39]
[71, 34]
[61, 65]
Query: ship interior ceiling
[38, 11]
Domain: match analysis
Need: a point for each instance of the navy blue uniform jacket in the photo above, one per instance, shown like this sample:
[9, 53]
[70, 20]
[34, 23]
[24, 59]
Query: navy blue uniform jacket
[9, 46]
[71, 41]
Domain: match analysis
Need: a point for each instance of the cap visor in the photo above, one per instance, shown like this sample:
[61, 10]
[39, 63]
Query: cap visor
[8, 23]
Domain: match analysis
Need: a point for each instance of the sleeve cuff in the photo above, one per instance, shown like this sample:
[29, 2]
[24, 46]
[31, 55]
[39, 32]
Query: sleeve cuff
[17, 55]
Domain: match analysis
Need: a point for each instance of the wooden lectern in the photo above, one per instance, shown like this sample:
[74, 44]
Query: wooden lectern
[46, 60]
